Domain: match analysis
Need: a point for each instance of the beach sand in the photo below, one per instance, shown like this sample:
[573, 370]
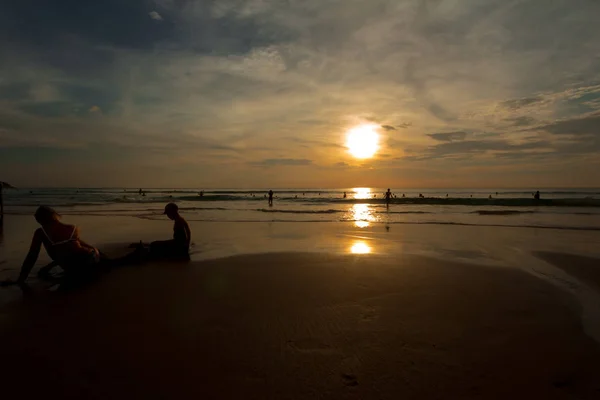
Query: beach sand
[300, 326]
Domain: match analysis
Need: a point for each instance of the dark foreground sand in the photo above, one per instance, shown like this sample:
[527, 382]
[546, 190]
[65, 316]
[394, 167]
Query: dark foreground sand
[300, 326]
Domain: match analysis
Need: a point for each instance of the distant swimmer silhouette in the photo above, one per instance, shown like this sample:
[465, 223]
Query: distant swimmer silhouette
[536, 195]
[388, 196]
[140, 191]
[201, 194]
[270, 197]
[345, 195]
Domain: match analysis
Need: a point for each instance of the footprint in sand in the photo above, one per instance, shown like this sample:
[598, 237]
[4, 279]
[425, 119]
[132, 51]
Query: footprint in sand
[368, 313]
[310, 346]
[350, 379]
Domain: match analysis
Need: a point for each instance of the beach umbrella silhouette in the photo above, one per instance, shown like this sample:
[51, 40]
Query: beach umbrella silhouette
[3, 185]
[6, 185]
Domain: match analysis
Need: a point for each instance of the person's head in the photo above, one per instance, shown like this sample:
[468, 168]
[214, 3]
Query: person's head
[45, 215]
[171, 210]
[388, 189]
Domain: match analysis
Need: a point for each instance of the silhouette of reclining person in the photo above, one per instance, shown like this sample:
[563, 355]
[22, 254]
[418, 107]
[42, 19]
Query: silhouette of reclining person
[79, 260]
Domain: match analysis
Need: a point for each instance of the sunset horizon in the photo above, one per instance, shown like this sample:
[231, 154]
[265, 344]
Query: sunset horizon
[300, 199]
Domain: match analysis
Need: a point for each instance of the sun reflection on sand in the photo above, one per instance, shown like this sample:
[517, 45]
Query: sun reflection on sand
[360, 247]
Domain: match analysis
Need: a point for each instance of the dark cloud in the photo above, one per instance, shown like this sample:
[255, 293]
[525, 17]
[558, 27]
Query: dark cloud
[388, 127]
[110, 22]
[516, 104]
[404, 125]
[270, 162]
[448, 136]
[521, 121]
[15, 91]
[418, 83]
[52, 109]
[589, 125]
[465, 149]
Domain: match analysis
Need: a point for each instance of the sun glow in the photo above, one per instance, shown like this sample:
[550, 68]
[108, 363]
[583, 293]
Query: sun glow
[362, 215]
[363, 141]
[360, 247]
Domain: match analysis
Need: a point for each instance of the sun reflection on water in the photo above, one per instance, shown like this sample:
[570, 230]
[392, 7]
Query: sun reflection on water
[362, 193]
[362, 215]
[360, 247]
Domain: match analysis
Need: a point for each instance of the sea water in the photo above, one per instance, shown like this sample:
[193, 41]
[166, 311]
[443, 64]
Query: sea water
[557, 208]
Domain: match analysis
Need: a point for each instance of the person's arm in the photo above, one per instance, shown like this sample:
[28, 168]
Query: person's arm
[188, 233]
[87, 245]
[32, 256]
[81, 242]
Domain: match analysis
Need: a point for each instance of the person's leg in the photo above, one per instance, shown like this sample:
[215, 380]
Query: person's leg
[168, 249]
[44, 272]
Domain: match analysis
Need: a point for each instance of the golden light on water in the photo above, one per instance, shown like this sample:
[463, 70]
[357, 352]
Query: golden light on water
[362, 215]
[362, 193]
[360, 247]
[363, 141]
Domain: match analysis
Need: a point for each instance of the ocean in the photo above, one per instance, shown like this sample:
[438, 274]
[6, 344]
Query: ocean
[558, 208]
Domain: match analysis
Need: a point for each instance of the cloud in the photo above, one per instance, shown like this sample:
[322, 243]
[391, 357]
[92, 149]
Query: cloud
[272, 162]
[521, 121]
[448, 136]
[155, 16]
[95, 109]
[481, 148]
[218, 84]
[586, 126]
[517, 104]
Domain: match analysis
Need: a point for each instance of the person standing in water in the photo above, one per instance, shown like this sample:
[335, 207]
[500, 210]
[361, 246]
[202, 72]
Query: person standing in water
[270, 197]
[345, 195]
[388, 197]
[536, 195]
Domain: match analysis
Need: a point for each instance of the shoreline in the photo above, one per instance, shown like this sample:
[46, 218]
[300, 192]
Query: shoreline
[304, 325]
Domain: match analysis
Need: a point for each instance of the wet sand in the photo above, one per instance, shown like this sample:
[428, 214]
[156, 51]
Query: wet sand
[585, 269]
[299, 326]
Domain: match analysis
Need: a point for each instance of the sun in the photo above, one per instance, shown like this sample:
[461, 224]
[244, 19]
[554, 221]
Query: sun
[363, 141]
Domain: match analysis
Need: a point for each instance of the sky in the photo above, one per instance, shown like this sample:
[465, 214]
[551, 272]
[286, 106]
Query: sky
[261, 93]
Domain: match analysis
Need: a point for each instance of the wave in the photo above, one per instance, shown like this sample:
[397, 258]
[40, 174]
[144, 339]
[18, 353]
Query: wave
[382, 223]
[299, 211]
[566, 228]
[516, 202]
[403, 212]
[502, 212]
